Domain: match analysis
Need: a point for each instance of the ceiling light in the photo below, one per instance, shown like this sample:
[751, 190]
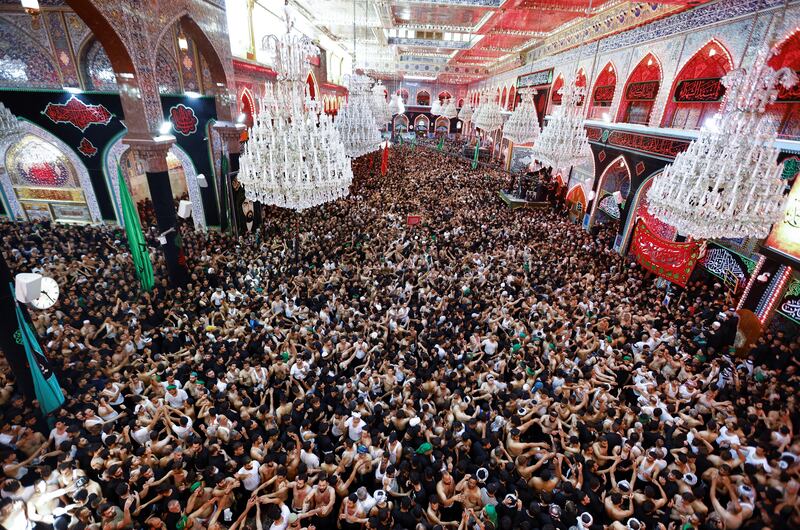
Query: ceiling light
[72, 90]
[193, 95]
[165, 127]
[712, 52]
[183, 44]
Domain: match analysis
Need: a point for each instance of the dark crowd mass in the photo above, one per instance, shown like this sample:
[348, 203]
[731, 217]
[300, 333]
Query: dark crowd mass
[338, 368]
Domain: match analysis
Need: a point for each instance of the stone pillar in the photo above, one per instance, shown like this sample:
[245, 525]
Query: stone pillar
[229, 134]
[153, 153]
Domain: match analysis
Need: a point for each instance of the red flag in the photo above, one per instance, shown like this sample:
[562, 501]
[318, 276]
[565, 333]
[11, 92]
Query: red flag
[385, 161]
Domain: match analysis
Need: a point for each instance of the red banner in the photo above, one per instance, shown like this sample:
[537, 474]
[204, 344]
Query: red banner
[412, 220]
[385, 161]
[667, 259]
[644, 91]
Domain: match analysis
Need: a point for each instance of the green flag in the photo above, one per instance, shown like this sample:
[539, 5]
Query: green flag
[414, 142]
[45, 384]
[401, 139]
[475, 157]
[441, 144]
[133, 229]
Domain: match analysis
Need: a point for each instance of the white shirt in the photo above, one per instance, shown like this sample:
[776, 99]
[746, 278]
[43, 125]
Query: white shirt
[284, 522]
[178, 399]
[252, 478]
[353, 431]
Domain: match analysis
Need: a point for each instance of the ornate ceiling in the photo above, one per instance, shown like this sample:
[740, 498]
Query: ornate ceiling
[459, 41]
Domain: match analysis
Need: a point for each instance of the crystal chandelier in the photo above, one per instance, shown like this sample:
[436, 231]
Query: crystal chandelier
[436, 107]
[563, 141]
[294, 157]
[9, 125]
[489, 117]
[356, 123]
[465, 114]
[396, 105]
[380, 107]
[523, 125]
[449, 109]
[728, 182]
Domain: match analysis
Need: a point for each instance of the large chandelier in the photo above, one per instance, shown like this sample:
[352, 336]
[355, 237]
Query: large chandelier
[436, 107]
[465, 114]
[396, 105]
[294, 157]
[563, 141]
[356, 123]
[523, 125]
[489, 117]
[728, 182]
[380, 107]
[9, 125]
[449, 109]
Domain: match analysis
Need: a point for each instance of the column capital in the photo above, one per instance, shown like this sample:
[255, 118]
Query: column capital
[230, 133]
[152, 151]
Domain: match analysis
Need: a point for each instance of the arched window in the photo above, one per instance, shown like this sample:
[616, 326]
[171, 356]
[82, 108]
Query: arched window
[504, 98]
[698, 91]
[785, 112]
[312, 86]
[423, 98]
[511, 102]
[603, 93]
[641, 91]
[248, 107]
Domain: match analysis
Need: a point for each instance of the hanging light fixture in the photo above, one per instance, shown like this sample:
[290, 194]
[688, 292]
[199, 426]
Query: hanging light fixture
[294, 157]
[465, 114]
[523, 125]
[449, 109]
[489, 117]
[380, 108]
[10, 127]
[436, 107]
[396, 105]
[728, 182]
[563, 141]
[356, 122]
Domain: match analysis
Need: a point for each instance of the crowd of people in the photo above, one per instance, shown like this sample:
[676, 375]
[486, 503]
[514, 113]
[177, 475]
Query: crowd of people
[340, 368]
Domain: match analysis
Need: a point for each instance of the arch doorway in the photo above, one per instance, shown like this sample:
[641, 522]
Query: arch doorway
[612, 193]
[182, 179]
[45, 180]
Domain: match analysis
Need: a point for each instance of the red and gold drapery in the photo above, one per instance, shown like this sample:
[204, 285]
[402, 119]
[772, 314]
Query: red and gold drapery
[667, 259]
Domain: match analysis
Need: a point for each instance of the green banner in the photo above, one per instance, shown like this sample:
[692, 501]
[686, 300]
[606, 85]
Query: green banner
[475, 156]
[45, 384]
[133, 229]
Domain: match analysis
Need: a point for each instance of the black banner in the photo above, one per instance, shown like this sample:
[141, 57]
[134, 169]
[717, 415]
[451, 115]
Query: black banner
[699, 90]
[644, 91]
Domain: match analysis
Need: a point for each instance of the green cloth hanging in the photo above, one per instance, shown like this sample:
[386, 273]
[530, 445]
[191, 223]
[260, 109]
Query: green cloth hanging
[441, 143]
[414, 142]
[48, 391]
[475, 156]
[133, 229]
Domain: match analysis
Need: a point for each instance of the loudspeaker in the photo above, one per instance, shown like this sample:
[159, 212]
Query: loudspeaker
[185, 209]
[28, 286]
[202, 181]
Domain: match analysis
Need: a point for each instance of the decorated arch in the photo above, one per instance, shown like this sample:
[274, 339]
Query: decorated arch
[697, 92]
[511, 102]
[422, 123]
[400, 124]
[785, 112]
[612, 192]
[639, 210]
[640, 92]
[558, 84]
[602, 94]
[423, 98]
[181, 171]
[45, 179]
